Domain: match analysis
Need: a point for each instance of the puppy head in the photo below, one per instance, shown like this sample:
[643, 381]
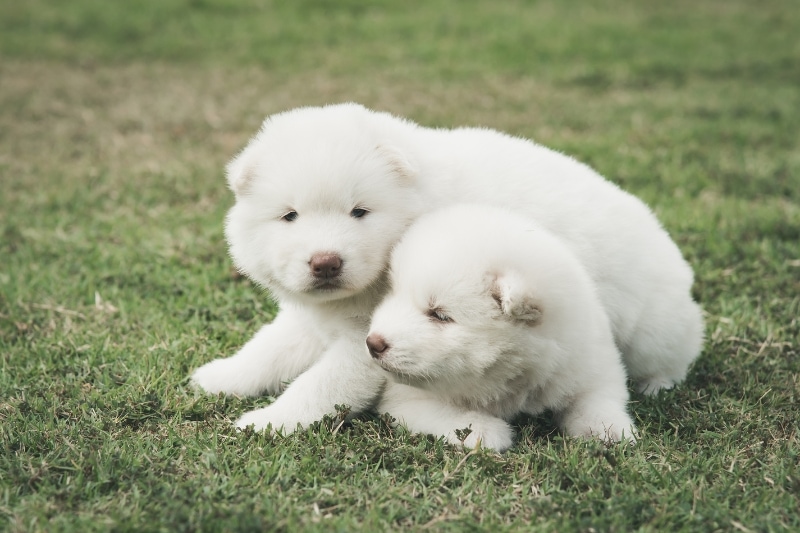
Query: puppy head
[450, 336]
[321, 197]
[457, 314]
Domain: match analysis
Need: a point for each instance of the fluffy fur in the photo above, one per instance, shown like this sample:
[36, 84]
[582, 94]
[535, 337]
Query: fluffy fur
[490, 316]
[344, 182]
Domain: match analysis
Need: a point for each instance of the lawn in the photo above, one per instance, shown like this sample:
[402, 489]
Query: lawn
[116, 121]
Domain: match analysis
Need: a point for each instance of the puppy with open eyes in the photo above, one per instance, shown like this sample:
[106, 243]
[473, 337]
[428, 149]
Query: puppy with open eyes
[490, 316]
[323, 194]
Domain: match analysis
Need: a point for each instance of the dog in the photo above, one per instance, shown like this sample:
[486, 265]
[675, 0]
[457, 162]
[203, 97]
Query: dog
[323, 194]
[489, 316]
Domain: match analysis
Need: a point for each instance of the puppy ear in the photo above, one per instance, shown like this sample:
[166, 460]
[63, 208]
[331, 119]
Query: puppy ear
[398, 163]
[515, 299]
[240, 172]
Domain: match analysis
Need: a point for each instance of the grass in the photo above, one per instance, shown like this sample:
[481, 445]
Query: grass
[115, 125]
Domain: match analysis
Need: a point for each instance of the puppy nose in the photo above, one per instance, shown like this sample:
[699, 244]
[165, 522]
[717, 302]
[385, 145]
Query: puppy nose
[377, 345]
[325, 265]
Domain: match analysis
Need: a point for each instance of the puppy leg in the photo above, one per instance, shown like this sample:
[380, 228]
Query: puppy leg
[278, 353]
[422, 412]
[601, 415]
[344, 375]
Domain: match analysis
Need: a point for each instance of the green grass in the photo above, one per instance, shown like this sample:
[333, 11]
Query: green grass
[115, 125]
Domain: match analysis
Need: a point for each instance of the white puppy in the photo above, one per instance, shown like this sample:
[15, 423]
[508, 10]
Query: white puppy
[322, 194]
[489, 316]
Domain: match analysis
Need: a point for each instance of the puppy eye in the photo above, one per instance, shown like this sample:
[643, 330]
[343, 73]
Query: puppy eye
[358, 212]
[290, 216]
[438, 315]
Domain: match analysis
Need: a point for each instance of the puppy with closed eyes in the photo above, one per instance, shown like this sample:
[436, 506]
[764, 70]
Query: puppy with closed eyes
[323, 194]
[489, 316]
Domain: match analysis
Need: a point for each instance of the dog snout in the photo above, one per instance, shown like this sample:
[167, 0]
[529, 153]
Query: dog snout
[377, 345]
[325, 265]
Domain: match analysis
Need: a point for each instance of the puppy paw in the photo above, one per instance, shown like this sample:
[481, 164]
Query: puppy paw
[261, 419]
[651, 386]
[226, 376]
[267, 418]
[618, 434]
[615, 431]
[493, 434]
[279, 417]
[608, 426]
[607, 431]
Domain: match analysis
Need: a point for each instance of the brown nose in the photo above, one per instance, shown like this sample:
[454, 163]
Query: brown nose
[377, 345]
[325, 265]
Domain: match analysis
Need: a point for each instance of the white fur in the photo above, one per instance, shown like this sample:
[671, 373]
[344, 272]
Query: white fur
[490, 315]
[324, 162]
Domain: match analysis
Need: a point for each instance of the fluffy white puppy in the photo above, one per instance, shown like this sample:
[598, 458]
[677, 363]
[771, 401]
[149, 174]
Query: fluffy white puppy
[489, 316]
[322, 194]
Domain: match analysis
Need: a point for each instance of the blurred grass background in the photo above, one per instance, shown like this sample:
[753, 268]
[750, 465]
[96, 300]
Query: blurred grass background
[116, 120]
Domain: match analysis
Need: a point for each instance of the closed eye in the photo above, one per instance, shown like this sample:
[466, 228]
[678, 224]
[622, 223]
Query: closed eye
[438, 314]
[358, 212]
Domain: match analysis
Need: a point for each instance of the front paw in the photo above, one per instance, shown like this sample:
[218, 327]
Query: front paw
[226, 376]
[496, 435]
[610, 427]
[652, 386]
[620, 431]
[259, 419]
[273, 418]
